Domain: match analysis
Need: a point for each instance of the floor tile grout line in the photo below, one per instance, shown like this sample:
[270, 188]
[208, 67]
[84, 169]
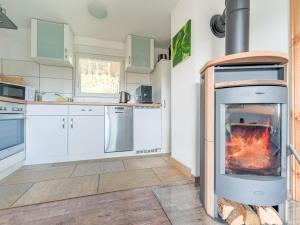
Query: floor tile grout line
[11, 205]
[160, 180]
[98, 184]
[125, 169]
[73, 171]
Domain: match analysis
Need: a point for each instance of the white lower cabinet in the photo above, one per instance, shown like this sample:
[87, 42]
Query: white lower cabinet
[147, 128]
[86, 135]
[63, 133]
[46, 136]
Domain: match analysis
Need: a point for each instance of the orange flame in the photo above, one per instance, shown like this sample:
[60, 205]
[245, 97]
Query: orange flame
[249, 148]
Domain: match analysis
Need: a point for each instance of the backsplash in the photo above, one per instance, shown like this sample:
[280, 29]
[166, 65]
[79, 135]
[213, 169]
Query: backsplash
[55, 79]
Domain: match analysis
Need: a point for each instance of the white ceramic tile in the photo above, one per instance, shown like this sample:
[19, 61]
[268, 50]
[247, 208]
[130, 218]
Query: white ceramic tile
[56, 72]
[56, 85]
[136, 78]
[131, 88]
[21, 68]
[32, 81]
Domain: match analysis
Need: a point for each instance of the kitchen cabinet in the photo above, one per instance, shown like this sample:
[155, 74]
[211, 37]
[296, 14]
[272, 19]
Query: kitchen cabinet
[86, 135]
[61, 133]
[52, 43]
[147, 131]
[161, 91]
[46, 136]
[86, 130]
[139, 54]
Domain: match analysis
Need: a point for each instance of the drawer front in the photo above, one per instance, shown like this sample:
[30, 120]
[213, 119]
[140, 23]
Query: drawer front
[80, 110]
[46, 110]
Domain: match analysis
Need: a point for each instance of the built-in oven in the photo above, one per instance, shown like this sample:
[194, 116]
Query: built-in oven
[12, 91]
[12, 131]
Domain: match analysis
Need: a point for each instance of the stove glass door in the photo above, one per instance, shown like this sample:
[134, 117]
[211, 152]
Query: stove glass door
[253, 139]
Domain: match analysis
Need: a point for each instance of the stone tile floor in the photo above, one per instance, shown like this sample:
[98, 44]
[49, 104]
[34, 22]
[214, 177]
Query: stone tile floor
[183, 207]
[51, 182]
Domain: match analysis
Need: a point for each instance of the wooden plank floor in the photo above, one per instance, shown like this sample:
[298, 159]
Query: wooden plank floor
[133, 207]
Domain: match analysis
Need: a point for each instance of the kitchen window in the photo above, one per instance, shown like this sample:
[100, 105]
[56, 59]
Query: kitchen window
[99, 76]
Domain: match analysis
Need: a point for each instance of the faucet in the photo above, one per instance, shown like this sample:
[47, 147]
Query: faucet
[66, 99]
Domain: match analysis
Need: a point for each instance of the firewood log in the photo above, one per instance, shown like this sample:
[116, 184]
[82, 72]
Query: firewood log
[251, 218]
[231, 212]
[224, 208]
[268, 215]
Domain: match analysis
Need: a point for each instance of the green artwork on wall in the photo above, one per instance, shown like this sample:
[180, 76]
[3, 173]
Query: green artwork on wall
[182, 44]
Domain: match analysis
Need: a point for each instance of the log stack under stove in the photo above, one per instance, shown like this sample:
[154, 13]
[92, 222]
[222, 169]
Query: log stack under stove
[235, 213]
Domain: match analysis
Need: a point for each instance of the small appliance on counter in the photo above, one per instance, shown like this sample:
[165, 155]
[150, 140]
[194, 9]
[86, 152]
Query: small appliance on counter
[124, 97]
[12, 91]
[144, 94]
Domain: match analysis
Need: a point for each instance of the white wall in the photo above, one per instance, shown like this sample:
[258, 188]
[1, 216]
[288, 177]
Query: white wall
[15, 60]
[269, 31]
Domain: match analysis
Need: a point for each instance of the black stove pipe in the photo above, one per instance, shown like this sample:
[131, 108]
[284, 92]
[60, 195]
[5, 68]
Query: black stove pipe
[234, 24]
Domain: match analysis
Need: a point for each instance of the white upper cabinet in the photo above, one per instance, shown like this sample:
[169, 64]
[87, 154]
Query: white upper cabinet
[52, 43]
[139, 54]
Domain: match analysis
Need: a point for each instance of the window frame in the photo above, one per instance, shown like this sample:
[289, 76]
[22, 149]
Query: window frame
[77, 79]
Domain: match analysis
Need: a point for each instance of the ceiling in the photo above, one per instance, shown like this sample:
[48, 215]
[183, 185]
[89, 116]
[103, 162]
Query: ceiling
[151, 18]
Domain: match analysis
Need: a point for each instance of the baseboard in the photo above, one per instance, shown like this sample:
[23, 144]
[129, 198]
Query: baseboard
[184, 170]
[181, 167]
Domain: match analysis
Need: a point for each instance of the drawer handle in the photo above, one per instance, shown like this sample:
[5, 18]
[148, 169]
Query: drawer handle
[83, 110]
[72, 123]
[63, 123]
[90, 110]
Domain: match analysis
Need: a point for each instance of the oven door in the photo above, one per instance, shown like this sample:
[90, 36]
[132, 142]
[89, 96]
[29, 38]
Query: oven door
[12, 91]
[11, 134]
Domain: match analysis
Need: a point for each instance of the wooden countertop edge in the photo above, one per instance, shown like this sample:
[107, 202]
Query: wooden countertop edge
[248, 58]
[12, 100]
[90, 103]
[4, 99]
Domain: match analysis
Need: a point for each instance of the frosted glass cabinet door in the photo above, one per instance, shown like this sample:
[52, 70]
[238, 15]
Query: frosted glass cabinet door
[140, 50]
[50, 39]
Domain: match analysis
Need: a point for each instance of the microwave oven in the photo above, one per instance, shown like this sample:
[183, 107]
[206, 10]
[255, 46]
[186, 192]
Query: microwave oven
[12, 91]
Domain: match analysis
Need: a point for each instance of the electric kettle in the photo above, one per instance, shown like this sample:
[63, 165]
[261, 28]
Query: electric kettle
[124, 97]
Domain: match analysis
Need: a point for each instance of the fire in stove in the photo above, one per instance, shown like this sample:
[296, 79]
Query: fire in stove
[252, 148]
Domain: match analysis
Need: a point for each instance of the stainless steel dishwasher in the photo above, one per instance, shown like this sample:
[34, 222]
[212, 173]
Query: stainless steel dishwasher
[118, 128]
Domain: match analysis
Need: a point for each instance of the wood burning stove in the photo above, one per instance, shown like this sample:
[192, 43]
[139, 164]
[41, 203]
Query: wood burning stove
[244, 131]
[251, 127]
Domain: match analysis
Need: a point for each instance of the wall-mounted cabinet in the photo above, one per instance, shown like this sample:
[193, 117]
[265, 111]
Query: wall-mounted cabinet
[52, 43]
[139, 54]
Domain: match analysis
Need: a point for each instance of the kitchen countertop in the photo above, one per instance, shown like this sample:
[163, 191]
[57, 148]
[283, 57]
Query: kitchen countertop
[4, 99]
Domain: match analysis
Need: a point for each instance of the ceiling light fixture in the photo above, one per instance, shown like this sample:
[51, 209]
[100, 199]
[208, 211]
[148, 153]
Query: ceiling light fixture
[97, 9]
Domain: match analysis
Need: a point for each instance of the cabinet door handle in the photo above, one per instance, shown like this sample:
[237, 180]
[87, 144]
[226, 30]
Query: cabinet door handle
[83, 110]
[129, 60]
[63, 123]
[90, 110]
[72, 123]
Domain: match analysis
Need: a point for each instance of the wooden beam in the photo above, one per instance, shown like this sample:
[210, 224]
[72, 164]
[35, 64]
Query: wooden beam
[295, 94]
[209, 141]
